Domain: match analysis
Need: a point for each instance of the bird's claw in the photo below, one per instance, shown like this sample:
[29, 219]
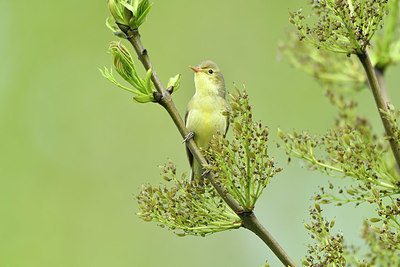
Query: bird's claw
[188, 137]
[205, 173]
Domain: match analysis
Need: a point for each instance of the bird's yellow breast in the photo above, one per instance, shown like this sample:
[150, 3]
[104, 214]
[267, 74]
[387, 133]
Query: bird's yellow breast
[205, 118]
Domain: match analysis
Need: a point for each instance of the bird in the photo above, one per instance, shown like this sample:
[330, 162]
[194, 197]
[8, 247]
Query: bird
[204, 116]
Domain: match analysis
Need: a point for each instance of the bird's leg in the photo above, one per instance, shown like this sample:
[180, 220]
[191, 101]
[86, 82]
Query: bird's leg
[188, 137]
[205, 173]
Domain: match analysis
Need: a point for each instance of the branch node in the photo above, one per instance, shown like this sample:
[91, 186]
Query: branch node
[157, 96]
[144, 52]
[170, 89]
[124, 28]
[244, 213]
[136, 32]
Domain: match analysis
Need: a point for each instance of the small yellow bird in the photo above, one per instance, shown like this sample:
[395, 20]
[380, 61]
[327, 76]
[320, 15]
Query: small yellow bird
[204, 114]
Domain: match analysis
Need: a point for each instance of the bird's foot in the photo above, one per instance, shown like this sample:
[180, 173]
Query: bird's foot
[188, 137]
[205, 173]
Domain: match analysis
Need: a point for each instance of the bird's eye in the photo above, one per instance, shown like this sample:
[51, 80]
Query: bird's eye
[210, 71]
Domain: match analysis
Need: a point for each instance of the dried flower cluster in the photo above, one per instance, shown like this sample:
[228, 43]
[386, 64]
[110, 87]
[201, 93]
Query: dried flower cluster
[328, 249]
[347, 149]
[342, 26]
[384, 246]
[350, 149]
[386, 45]
[392, 115]
[388, 210]
[333, 71]
[380, 251]
[183, 208]
[242, 165]
[381, 234]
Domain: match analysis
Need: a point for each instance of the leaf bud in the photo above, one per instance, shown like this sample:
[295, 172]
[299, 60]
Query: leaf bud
[375, 192]
[332, 223]
[281, 135]
[351, 192]
[174, 82]
[374, 220]
[120, 13]
[317, 206]
[308, 227]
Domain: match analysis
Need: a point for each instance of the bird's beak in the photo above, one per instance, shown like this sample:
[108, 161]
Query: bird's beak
[195, 69]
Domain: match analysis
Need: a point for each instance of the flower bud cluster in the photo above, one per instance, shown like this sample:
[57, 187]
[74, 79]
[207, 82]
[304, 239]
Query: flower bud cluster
[383, 246]
[184, 208]
[328, 249]
[341, 26]
[242, 165]
[347, 149]
[333, 71]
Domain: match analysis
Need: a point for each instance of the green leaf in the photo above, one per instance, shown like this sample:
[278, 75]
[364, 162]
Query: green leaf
[144, 99]
[132, 13]
[110, 76]
[124, 65]
[143, 5]
[142, 17]
[130, 7]
[175, 82]
[135, 7]
[147, 82]
[115, 9]
[114, 28]
[109, 24]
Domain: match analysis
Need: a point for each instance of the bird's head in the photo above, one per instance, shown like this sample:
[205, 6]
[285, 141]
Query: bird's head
[208, 78]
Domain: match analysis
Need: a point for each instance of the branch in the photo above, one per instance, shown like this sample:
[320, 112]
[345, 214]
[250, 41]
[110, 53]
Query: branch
[382, 102]
[380, 75]
[249, 219]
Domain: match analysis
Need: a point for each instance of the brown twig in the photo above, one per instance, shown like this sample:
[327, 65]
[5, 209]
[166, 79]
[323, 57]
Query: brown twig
[382, 101]
[380, 75]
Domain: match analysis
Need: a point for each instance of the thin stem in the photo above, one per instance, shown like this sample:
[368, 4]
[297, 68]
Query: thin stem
[381, 103]
[249, 220]
[248, 176]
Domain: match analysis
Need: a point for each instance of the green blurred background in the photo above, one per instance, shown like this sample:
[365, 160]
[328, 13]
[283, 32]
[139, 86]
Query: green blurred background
[75, 149]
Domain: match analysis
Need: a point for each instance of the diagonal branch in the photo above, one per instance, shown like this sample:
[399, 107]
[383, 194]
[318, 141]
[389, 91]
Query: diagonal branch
[380, 72]
[382, 102]
[249, 220]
